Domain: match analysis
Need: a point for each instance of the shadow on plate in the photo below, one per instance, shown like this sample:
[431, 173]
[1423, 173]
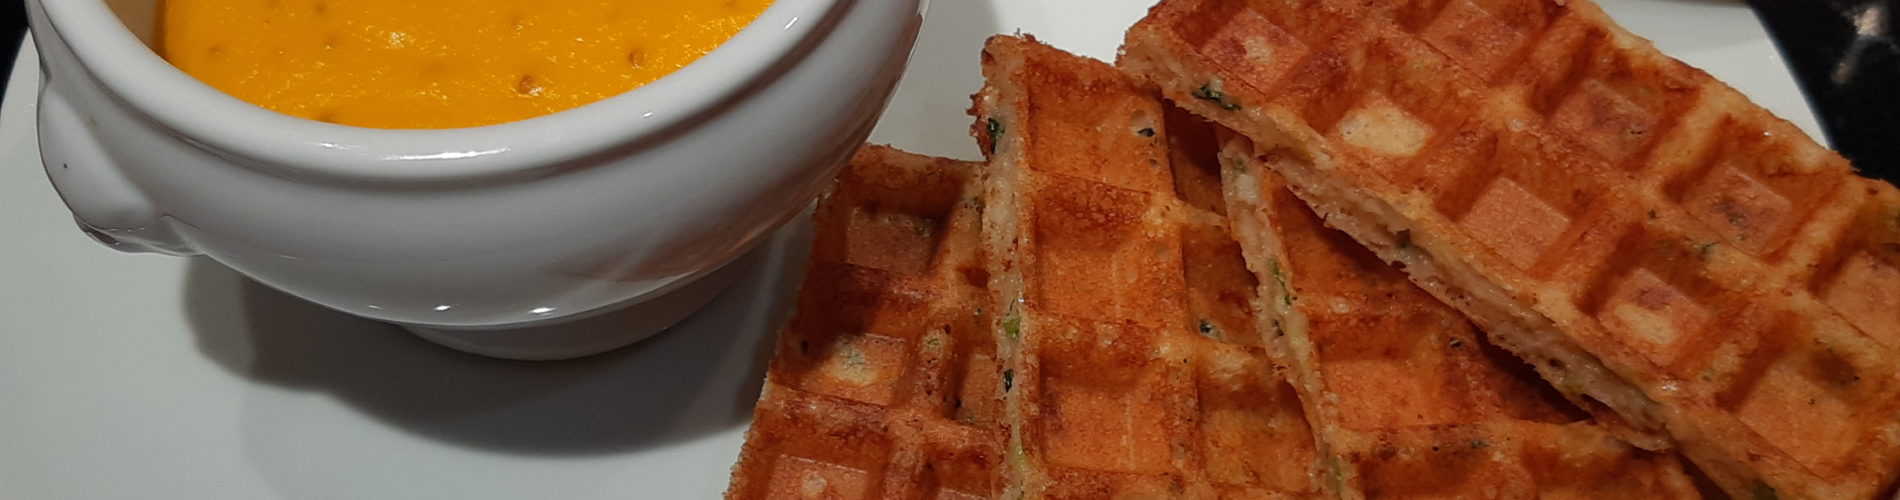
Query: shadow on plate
[702, 376]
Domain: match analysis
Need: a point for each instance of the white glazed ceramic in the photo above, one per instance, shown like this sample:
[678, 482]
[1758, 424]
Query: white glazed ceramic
[478, 237]
[156, 378]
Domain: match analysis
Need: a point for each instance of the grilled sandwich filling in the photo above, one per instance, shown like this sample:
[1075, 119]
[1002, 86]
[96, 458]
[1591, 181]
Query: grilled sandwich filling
[1003, 178]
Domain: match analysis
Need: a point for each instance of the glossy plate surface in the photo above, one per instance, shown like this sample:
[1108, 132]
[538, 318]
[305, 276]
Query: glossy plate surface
[148, 377]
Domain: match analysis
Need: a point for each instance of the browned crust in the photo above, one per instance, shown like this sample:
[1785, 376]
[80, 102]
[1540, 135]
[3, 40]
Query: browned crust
[1641, 232]
[1405, 393]
[884, 383]
[1125, 314]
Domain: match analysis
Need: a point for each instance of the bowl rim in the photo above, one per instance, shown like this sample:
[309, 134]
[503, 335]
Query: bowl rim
[135, 74]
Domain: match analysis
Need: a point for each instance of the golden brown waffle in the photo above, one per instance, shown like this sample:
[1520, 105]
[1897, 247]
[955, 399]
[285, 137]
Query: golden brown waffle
[885, 383]
[1407, 397]
[1132, 365]
[1651, 241]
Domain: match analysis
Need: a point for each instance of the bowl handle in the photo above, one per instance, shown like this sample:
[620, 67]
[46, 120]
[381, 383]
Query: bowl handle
[107, 206]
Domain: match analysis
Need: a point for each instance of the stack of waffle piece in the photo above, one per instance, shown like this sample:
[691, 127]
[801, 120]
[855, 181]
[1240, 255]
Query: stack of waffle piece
[1130, 352]
[1666, 253]
[1125, 364]
[1408, 398]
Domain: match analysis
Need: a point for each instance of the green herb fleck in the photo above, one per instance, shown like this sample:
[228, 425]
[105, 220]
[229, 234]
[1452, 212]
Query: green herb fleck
[1009, 380]
[1209, 330]
[996, 134]
[933, 341]
[1013, 325]
[1146, 131]
[1279, 278]
[1337, 472]
[1209, 93]
[1765, 492]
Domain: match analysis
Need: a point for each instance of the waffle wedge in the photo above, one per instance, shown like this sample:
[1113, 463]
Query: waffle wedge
[885, 382]
[1131, 365]
[1656, 246]
[1410, 400]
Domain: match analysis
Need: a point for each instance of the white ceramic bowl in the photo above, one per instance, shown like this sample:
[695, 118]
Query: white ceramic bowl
[480, 237]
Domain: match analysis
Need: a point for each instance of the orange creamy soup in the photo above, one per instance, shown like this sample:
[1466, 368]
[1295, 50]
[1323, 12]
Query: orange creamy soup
[439, 63]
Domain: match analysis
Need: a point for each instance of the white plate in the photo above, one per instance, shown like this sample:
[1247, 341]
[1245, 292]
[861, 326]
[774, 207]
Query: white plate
[154, 378]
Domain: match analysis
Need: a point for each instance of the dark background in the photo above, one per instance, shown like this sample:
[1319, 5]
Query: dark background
[12, 27]
[1843, 53]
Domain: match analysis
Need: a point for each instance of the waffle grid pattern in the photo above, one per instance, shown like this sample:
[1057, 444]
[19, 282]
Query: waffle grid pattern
[1408, 394]
[1136, 368]
[885, 383]
[1708, 252]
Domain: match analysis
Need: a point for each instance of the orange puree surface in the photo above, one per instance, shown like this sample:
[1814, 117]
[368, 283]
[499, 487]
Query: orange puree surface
[439, 63]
